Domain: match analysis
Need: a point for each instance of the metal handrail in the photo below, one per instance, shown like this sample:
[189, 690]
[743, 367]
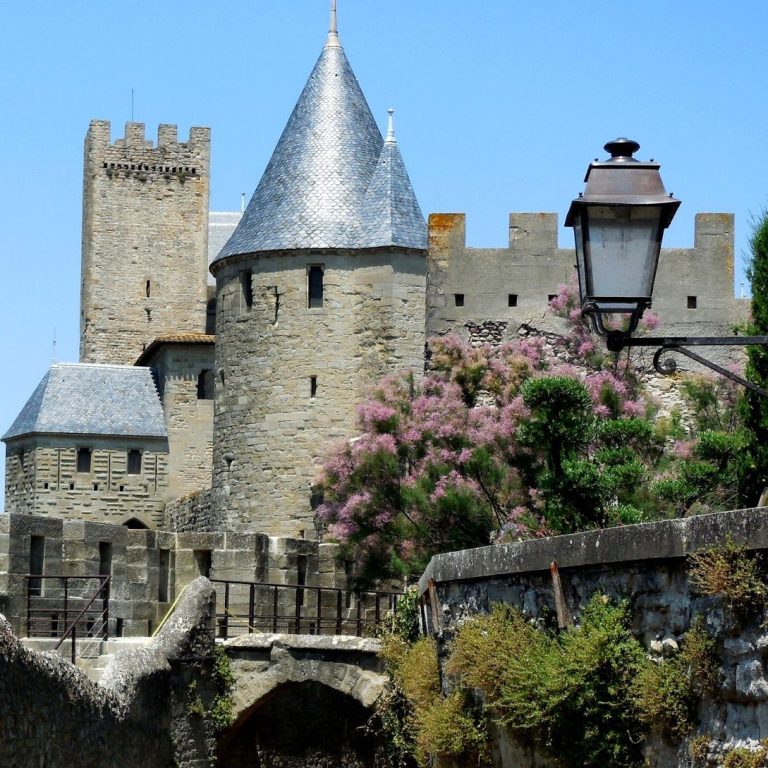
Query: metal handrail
[315, 624]
[37, 592]
[72, 628]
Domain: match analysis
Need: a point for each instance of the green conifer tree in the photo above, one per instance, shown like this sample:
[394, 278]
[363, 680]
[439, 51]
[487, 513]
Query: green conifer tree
[754, 476]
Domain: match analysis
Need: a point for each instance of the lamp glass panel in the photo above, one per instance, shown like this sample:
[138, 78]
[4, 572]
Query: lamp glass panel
[579, 235]
[623, 250]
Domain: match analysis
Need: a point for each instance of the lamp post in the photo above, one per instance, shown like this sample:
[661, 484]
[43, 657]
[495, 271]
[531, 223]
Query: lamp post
[618, 222]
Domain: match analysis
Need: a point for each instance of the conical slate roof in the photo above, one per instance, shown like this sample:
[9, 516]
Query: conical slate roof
[314, 185]
[390, 214]
[92, 399]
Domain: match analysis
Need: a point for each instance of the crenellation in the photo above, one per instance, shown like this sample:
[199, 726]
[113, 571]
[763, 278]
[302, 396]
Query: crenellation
[134, 137]
[468, 288]
[167, 135]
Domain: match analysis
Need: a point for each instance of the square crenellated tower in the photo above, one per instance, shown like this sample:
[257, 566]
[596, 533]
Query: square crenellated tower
[144, 250]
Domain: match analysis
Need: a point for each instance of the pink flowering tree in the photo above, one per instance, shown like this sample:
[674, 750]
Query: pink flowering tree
[504, 443]
[496, 443]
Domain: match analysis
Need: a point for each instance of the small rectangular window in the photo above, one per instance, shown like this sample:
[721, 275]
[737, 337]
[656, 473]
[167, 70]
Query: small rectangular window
[134, 462]
[205, 384]
[105, 558]
[458, 299]
[163, 580]
[315, 287]
[313, 386]
[551, 296]
[301, 577]
[512, 300]
[692, 302]
[246, 286]
[148, 289]
[36, 563]
[84, 459]
[203, 561]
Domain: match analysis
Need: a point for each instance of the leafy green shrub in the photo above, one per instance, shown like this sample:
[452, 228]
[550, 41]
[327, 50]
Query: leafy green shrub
[731, 573]
[447, 727]
[741, 757]
[698, 746]
[571, 694]
[419, 722]
[667, 693]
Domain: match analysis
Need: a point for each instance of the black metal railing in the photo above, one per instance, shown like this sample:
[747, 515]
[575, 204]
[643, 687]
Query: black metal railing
[244, 607]
[67, 606]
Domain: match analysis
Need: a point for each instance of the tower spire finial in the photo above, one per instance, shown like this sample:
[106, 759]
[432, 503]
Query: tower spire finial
[391, 127]
[333, 29]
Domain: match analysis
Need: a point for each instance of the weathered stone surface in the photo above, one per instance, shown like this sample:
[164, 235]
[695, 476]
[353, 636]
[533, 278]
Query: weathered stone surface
[140, 201]
[502, 289]
[647, 566]
[271, 427]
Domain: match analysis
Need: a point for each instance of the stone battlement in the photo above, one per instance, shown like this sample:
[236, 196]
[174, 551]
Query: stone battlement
[694, 286]
[135, 156]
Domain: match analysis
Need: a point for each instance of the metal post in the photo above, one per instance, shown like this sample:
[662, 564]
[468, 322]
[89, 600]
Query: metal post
[66, 603]
[359, 616]
[378, 609]
[274, 610]
[319, 593]
[29, 608]
[105, 608]
[225, 624]
[251, 608]
[74, 641]
[299, 595]
[338, 611]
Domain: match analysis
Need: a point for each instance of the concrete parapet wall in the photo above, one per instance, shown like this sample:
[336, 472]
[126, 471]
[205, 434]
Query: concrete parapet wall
[665, 539]
[647, 566]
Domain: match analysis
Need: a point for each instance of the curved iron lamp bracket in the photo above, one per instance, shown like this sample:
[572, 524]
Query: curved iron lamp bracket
[677, 345]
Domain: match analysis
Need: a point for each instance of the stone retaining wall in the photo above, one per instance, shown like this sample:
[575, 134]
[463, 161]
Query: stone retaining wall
[645, 564]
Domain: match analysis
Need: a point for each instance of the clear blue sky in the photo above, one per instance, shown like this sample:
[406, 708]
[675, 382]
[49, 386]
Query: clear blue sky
[500, 105]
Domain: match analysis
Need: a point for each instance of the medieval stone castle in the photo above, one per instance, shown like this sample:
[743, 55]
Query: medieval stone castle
[187, 438]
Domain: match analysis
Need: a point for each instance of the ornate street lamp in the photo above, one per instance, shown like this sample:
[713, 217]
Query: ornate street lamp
[618, 223]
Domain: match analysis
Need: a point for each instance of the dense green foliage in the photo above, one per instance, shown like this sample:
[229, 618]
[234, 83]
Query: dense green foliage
[754, 476]
[570, 694]
[667, 694]
[417, 720]
[732, 574]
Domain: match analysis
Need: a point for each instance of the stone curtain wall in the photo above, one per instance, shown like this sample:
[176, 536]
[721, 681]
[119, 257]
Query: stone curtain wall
[271, 431]
[145, 231]
[510, 287]
[645, 564]
[194, 512]
[147, 564]
[43, 480]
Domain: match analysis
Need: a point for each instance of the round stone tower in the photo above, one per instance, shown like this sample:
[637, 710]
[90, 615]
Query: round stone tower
[320, 292]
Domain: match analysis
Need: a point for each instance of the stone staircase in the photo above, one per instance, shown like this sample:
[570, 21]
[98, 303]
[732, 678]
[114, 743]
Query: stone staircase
[100, 652]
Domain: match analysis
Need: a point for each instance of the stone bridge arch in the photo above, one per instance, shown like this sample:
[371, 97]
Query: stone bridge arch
[280, 680]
